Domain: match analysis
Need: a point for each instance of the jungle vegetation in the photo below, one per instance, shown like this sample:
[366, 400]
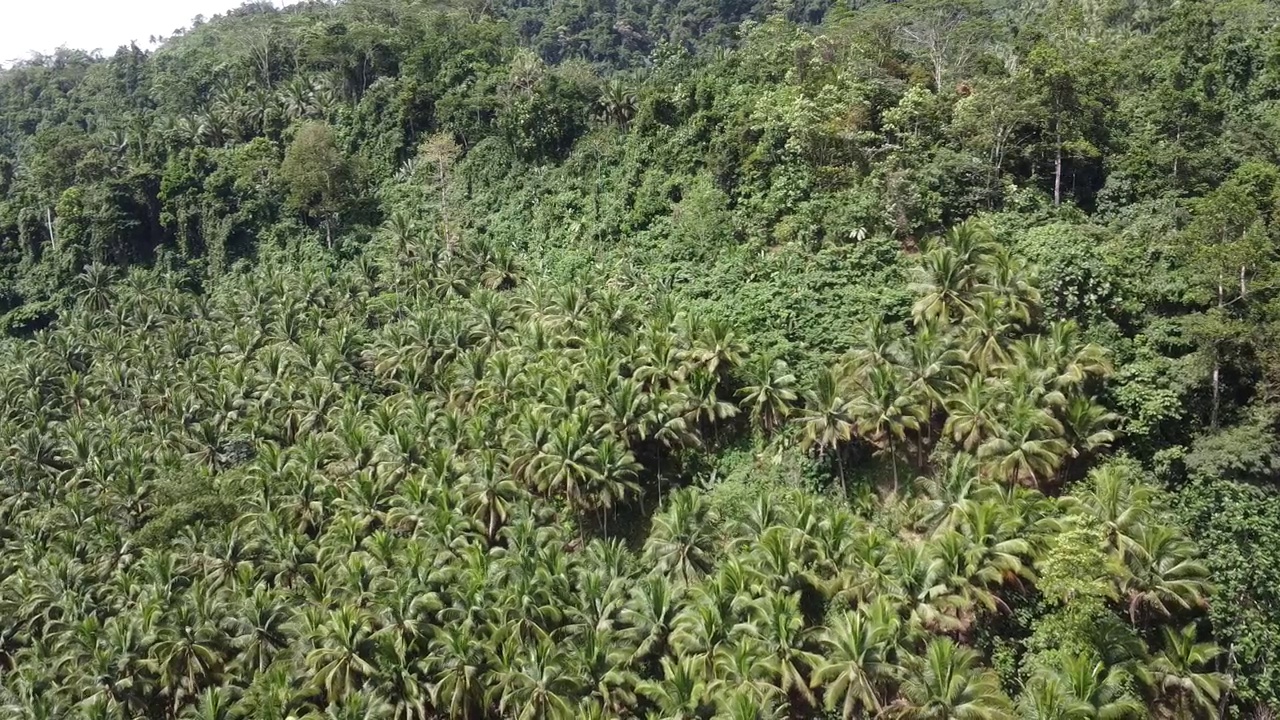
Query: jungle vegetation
[408, 360]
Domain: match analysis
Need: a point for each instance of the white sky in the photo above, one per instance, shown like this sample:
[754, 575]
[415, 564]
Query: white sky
[45, 25]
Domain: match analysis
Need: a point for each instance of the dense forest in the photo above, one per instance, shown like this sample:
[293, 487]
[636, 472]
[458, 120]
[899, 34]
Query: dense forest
[396, 359]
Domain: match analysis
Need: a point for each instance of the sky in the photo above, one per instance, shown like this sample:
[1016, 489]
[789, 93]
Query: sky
[45, 25]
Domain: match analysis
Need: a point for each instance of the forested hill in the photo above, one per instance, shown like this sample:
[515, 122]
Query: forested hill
[681, 360]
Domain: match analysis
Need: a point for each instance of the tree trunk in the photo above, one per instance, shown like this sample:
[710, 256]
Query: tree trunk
[1228, 671]
[1217, 392]
[48, 221]
[1217, 368]
[844, 490]
[1057, 169]
[893, 458]
[1177, 140]
[659, 508]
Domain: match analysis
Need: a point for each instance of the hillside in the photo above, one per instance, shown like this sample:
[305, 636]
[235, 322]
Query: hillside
[395, 359]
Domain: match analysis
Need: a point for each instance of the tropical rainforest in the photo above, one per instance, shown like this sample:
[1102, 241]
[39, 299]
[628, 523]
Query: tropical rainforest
[403, 360]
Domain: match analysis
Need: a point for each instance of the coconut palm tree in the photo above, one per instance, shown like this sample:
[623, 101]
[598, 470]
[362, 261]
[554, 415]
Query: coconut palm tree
[650, 615]
[540, 686]
[344, 653]
[1027, 446]
[827, 421]
[1178, 675]
[680, 694]
[680, 542]
[885, 412]
[261, 631]
[617, 102]
[857, 664]
[769, 392]
[1087, 426]
[1122, 503]
[1045, 697]
[946, 682]
[775, 622]
[490, 492]
[1099, 692]
[1164, 574]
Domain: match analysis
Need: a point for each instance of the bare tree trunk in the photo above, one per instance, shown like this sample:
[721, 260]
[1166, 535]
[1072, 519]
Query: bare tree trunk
[1057, 169]
[659, 479]
[1217, 391]
[1177, 139]
[1217, 369]
[1229, 672]
[893, 457]
[48, 221]
[844, 490]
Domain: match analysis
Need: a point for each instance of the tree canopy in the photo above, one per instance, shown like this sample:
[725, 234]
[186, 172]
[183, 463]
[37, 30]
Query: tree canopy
[389, 359]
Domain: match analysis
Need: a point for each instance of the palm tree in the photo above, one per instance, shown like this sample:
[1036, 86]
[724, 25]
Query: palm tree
[403, 231]
[855, 666]
[650, 615]
[1163, 574]
[949, 493]
[702, 632]
[567, 463]
[930, 363]
[946, 683]
[747, 706]
[187, 657]
[602, 660]
[261, 630]
[768, 392]
[1074, 361]
[704, 407]
[987, 331]
[97, 287]
[1087, 426]
[944, 286]
[1027, 446]
[1099, 692]
[826, 420]
[344, 653]
[489, 494]
[716, 348]
[1008, 278]
[214, 704]
[680, 541]
[1045, 697]
[1178, 677]
[885, 412]
[615, 477]
[540, 686]
[617, 102]
[1119, 501]
[680, 694]
[972, 413]
[876, 344]
[776, 624]
[456, 668]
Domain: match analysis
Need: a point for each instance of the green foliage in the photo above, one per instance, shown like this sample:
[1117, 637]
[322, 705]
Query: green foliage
[1238, 526]
[316, 176]
[666, 360]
